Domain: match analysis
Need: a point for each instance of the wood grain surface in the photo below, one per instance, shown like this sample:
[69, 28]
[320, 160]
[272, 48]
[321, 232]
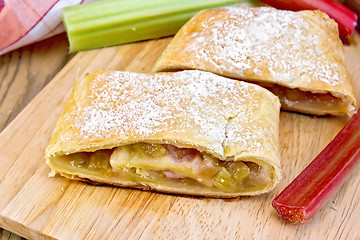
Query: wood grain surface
[23, 74]
[35, 206]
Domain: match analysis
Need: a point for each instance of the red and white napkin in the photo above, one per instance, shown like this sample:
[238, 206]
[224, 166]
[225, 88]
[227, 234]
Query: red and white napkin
[27, 21]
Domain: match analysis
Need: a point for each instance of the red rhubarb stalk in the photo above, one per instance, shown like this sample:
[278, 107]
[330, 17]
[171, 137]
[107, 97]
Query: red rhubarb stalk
[354, 5]
[299, 201]
[346, 19]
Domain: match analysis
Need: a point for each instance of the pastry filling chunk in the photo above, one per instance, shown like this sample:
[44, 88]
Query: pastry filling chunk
[296, 99]
[161, 163]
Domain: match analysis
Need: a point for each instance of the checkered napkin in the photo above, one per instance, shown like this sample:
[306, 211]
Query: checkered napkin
[27, 21]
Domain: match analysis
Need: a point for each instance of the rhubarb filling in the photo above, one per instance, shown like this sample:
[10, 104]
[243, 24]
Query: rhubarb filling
[306, 101]
[169, 166]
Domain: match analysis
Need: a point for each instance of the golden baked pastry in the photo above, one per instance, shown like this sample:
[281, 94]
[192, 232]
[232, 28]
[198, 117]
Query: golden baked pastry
[296, 55]
[188, 132]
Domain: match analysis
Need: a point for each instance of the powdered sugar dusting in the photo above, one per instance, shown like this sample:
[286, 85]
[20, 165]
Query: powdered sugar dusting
[251, 37]
[122, 104]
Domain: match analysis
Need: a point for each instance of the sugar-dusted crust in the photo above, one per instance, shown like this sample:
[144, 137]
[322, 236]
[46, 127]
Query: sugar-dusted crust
[228, 119]
[293, 49]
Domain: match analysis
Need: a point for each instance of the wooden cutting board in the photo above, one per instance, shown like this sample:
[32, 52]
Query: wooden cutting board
[37, 207]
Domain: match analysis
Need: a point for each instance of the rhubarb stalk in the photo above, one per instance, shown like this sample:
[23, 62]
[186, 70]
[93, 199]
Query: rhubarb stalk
[355, 6]
[346, 19]
[299, 201]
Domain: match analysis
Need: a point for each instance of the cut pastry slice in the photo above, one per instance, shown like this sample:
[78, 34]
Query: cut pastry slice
[188, 132]
[296, 55]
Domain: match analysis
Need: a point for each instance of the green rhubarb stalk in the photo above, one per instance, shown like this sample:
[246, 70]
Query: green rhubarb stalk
[112, 22]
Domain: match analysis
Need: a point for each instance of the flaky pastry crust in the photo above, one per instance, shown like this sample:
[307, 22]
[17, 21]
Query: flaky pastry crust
[227, 119]
[297, 50]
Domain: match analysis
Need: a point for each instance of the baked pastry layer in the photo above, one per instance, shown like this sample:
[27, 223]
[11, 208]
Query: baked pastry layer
[296, 54]
[188, 132]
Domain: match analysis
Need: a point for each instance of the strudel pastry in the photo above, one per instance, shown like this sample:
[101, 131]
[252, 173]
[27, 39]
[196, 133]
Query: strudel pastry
[296, 55]
[188, 132]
